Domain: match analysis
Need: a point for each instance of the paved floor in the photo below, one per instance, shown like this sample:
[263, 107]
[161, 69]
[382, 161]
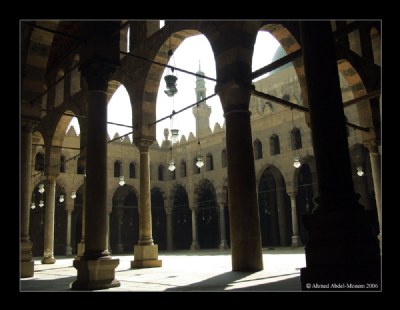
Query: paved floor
[204, 270]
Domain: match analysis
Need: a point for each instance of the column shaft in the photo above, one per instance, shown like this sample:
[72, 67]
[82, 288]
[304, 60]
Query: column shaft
[145, 252]
[81, 244]
[195, 244]
[244, 216]
[145, 227]
[26, 245]
[68, 249]
[376, 176]
[96, 177]
[48, 255]
[295, 227]
[222, 233]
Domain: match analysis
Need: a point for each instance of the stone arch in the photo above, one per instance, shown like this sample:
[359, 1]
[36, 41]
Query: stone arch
[148, 76]
[274, 207]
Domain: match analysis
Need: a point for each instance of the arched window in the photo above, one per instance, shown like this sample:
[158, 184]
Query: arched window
[196, 170]
[39, 162]
[80, 168]
[183, 169]
[224, 159]
[173, 174]
[160, 172]
[257, 149]
[209, 162]
[295, 137]
[117, 168]
[274, 146]
[376, 45]
[132, 170]
[62, 164]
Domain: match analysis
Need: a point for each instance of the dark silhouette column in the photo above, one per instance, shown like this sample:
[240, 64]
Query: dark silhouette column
[81, 244]
[170, 227]
[99, 59]
[145, 252]
[341, 247]
[48, 255]
[26, 170]
[244, 216]
[224, 244]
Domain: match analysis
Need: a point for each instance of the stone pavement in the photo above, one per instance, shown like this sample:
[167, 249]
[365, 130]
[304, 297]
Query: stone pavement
[204, 270]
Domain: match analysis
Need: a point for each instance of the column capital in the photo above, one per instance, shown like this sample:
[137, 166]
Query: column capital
[235, 94]
[28, 125]
[372, 146]
[97, 74]
[51, 178]
[292, 194]
[169, 210]
[143, 144]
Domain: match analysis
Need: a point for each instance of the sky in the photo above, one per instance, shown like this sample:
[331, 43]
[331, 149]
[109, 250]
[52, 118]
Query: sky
[188, 55]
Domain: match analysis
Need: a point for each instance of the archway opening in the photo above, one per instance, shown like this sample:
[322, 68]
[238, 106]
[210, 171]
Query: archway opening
[182, 217]
[207, 218]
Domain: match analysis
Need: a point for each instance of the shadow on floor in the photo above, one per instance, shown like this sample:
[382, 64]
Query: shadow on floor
[50, 285]
[227, 279]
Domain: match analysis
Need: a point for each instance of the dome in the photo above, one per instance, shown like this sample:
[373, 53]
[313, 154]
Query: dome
[279, 53]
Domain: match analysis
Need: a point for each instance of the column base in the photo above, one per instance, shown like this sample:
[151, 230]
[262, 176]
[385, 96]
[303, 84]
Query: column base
[195, 246]
[27, 269]
[80, 250]
[68, 250]
[342, 248]
[48, 259]
[145, 256]
[224, 245]
[26, 259]
[95, 274]
[296, 242]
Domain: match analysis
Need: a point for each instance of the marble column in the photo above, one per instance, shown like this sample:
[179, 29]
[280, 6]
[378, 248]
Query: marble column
[375, 159]
[341, 247]
[245, 231]
[68, 248]
[170, 228]
[295, 227]
[26, 261]
[50, 188]
[145, 252]
[222, 234]
[195, 244]
[99, 59]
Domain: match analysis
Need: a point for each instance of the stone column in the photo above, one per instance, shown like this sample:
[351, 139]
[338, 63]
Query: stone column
[244, 216]
[341, 247]
[195, 244]
[26, 261]
[81, 244]
[68, 248]
[120, 210]
[223, 245]
[170, 228]
[99, 59]
[48, 255]
[375, 159]
[295, 227]
[145, 252]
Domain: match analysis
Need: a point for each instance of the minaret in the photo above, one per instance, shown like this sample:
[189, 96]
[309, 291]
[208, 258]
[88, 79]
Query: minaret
[204, 111]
